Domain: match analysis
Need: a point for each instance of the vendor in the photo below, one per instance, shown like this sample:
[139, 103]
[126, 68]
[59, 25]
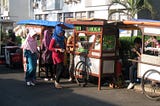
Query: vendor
[11, 41]
[136, 54]
[70, 50]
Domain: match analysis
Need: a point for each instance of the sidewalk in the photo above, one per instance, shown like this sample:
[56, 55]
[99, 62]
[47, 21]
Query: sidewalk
[138, 87]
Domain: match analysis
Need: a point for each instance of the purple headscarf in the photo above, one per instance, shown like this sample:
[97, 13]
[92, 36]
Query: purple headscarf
[47, 38]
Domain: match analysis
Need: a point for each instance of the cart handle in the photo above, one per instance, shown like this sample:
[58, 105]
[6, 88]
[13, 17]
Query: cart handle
[138, 61]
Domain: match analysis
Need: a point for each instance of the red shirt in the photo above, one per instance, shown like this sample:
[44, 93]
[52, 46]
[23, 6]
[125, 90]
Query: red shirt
[56, 56]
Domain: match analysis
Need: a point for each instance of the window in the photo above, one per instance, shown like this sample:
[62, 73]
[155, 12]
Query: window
[45, 16]
[53, 4]
[118, 16]
[91, 14]
[38, 17]
[60, 17]
[108, 42]
[80, 15]
[68, 15]
[151, 45]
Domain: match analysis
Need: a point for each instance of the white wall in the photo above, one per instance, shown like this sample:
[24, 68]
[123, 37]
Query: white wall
[101, 14]
[19, 9]
[52, 17]
[74, 7]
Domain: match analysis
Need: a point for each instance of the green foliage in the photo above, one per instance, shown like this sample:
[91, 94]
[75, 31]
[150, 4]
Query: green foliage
[108, 42]
[127, 42]
[125, 48]
[18, 40]
[132, 7]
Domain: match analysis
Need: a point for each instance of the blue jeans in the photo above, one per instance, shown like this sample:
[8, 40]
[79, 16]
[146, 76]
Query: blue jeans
[133, 73]
[31, 59]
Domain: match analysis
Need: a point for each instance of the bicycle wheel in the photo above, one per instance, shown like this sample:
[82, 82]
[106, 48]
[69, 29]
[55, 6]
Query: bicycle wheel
[81, 73]
[151, 88]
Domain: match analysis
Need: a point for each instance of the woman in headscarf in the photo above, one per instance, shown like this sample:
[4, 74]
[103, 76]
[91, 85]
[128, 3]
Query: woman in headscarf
[57, 46]
[31, 54]
[47, 54]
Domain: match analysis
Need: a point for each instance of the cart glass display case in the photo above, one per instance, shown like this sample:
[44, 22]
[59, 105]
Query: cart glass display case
[150, 57]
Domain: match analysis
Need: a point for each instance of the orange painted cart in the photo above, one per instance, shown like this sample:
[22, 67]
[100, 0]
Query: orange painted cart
[97, 50]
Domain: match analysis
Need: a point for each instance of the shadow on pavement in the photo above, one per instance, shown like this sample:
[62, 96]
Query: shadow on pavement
[14, 92]
[5, 69]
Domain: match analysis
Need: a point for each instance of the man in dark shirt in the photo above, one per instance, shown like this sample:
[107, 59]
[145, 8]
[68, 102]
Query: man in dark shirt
[136, 53]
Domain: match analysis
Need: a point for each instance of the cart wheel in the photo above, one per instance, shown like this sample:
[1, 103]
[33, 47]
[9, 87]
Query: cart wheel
[81, 73]
[151, 88]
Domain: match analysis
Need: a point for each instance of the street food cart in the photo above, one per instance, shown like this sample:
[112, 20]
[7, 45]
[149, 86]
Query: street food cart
[39, 26]
[5, 25]
[97, 47]
[11, 58]
[149, 62]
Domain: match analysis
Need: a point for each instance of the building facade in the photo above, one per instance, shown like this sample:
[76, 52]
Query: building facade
[16, 10]
[60, 10]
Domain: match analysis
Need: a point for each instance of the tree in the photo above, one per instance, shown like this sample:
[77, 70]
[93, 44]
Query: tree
[130, 7]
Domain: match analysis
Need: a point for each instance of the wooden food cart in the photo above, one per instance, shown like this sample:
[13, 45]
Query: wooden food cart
[15, 58]
[40, 26]
[5, 25]
[150, 53]
[98, 40]
[149, 62]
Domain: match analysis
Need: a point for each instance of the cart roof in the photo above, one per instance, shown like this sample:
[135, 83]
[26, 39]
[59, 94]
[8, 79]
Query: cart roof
[143, 22]
[45, 23]
[101, 22]
[148, 27]
[88, 21]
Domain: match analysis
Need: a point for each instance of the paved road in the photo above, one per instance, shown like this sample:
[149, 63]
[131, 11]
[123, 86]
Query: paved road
[14, 92]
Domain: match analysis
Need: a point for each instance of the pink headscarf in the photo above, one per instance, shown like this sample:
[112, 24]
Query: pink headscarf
[30, 43]
[32, 32]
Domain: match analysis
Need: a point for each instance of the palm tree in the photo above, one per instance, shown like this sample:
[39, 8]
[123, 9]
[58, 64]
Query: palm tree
[130, 7]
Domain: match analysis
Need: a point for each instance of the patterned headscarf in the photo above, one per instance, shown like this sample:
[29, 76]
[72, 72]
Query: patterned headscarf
[59, 39]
